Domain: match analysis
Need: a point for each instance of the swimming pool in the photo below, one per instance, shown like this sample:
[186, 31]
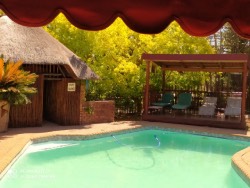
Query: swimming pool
[139, 159]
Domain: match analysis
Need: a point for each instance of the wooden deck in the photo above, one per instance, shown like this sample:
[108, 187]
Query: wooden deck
[194, 119]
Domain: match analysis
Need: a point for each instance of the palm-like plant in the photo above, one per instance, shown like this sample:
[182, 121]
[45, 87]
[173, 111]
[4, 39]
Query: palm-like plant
[15, 83]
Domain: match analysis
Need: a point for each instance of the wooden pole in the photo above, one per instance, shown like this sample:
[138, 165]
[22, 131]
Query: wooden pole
[244, 91]
[163, 81]
[147, 88]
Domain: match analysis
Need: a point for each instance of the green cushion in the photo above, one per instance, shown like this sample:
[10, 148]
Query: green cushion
[180, 107]
[161, 104]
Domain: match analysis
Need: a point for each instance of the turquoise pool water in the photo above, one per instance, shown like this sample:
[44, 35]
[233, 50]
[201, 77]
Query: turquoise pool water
[148, 158]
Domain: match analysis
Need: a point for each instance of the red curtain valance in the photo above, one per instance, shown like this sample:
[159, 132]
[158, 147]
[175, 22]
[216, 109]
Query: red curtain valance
[196, 17]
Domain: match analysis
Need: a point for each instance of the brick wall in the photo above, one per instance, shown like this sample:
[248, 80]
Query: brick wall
[97, 112]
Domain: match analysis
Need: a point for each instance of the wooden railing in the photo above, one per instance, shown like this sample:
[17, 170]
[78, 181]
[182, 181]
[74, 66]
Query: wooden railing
[197, 97]
[135, 106]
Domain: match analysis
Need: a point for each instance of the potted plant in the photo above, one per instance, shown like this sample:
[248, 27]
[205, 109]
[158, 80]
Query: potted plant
[15, 87]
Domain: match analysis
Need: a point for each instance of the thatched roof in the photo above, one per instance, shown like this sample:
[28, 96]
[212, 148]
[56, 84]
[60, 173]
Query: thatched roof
[33, 45]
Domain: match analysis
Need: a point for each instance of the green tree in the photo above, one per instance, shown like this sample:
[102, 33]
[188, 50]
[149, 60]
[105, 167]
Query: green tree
[229, 42]
[233, 43]
[115, 55]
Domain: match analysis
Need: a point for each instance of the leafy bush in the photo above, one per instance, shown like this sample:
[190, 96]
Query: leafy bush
[15, 83]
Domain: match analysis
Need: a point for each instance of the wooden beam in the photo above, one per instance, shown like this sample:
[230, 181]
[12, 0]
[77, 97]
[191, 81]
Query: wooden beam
[60, 68]
[146, 101]
[196, 57]
[52, 74]
[201, 65]
[58, 79]
[204, 70]
[183, 65]
[163, 80]
[221, 66]
[244, 92]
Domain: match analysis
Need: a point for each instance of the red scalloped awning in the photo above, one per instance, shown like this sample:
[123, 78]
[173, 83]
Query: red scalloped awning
[196, 17]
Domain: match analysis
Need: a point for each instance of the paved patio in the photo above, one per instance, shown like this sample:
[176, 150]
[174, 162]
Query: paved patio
[14, 140]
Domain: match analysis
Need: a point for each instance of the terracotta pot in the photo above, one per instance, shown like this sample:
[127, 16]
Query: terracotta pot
[4, 115]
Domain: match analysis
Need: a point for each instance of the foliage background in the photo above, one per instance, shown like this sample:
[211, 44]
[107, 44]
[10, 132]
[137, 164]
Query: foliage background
[115, 55]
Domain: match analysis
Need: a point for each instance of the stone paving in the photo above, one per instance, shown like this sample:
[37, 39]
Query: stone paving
[13, 141]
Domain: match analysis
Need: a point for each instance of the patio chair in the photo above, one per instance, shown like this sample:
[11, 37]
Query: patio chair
[208, 107]
[183, 102]
[167, 100]
[233, 107]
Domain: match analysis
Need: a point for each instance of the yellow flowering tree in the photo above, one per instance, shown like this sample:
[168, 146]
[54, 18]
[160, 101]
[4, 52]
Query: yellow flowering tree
[115, 55]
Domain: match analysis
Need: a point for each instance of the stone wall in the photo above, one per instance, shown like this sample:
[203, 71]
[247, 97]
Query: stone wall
[97, 112]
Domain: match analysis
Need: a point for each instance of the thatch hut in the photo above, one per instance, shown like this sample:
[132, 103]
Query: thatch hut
[60, 89]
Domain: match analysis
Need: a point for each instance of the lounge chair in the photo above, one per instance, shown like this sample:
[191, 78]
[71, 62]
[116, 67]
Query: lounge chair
[233, 107]
[183, 102]
[208, 108]
[167, 100]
